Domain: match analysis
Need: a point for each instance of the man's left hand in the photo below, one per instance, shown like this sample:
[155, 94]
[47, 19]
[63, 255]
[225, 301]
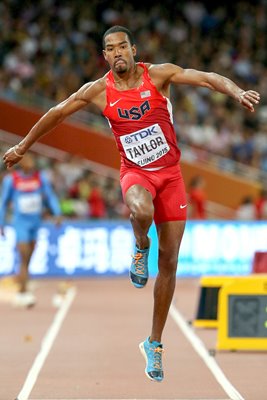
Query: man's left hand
[249, 98]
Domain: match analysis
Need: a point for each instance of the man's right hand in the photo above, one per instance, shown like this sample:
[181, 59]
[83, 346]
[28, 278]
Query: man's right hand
[12, 156]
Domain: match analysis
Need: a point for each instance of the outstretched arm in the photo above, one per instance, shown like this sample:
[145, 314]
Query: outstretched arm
[51, 119]
[177, 75]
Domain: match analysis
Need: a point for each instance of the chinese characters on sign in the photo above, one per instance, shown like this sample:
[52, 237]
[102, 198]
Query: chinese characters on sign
[105, 248]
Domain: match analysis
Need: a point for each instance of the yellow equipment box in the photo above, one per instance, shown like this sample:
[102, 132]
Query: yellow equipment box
[208, 300]
[242, 314]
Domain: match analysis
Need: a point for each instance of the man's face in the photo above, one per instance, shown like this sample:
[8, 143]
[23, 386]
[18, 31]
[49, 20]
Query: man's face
[119, 52]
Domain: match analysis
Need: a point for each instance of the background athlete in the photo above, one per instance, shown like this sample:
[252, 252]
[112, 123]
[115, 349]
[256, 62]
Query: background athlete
[28, 190]
[134, 97]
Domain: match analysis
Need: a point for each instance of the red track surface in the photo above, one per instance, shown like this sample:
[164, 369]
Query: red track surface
[95, 354]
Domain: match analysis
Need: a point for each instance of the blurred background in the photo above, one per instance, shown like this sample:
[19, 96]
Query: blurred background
[50, 48]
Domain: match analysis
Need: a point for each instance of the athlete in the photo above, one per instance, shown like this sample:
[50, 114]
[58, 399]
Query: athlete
[28, 190]
[135, 99]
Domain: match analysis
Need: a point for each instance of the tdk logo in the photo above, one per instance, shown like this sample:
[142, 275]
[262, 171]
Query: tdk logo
[134, 112]
[128, 139]
[140, 135]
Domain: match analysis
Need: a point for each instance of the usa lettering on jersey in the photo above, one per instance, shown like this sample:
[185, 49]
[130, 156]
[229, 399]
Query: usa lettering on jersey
[134, 113]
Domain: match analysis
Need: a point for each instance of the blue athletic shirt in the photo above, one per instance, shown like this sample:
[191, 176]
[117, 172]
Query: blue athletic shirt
[28, 194]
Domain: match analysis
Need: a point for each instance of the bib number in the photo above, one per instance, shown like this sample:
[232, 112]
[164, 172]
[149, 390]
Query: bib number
[145, 146]
[30, 203]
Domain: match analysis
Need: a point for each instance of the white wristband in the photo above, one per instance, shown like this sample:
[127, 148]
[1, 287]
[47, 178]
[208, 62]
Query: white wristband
[16, 153]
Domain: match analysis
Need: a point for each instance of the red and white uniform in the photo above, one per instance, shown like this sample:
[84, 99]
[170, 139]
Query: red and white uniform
[141, 121]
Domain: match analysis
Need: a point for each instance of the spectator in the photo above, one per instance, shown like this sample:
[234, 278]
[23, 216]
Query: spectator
[246, 211]
[96, 201]
[197, 198]
[261, 205]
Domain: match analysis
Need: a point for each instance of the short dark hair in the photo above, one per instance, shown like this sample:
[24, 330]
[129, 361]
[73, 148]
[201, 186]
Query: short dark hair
[118, 28]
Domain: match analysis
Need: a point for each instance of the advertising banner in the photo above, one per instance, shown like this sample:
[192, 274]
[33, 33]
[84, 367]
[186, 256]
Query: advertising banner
[105, 248]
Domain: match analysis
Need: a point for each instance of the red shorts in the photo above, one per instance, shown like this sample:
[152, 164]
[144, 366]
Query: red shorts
[166, 187]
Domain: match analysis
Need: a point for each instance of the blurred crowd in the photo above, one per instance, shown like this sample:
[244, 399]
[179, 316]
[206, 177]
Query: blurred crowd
[83, 193]
[250, 208]
[86, 194]
[50, 48]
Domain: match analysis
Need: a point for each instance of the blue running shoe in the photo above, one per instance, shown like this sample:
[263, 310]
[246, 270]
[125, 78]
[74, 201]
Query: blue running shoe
[139, 267]
[152, 352]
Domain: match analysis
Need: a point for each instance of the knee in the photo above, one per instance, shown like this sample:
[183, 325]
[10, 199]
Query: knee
[142, 212]
[168, 263]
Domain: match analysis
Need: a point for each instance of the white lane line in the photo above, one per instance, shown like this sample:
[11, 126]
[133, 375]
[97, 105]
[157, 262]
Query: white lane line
[199, 347]
[126, 399]
[46, 345]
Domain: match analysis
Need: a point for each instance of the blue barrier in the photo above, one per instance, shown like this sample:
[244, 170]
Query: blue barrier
[78, 249]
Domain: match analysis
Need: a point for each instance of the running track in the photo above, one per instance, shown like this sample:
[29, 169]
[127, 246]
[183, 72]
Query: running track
[88, 348]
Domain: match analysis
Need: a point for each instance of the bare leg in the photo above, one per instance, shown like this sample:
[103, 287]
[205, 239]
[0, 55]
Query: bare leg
[170, 235]
[25, 250]
[140, 203]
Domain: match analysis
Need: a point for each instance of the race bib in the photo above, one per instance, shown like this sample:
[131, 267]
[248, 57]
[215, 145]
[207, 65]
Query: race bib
[30, 203]
[145, 146]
